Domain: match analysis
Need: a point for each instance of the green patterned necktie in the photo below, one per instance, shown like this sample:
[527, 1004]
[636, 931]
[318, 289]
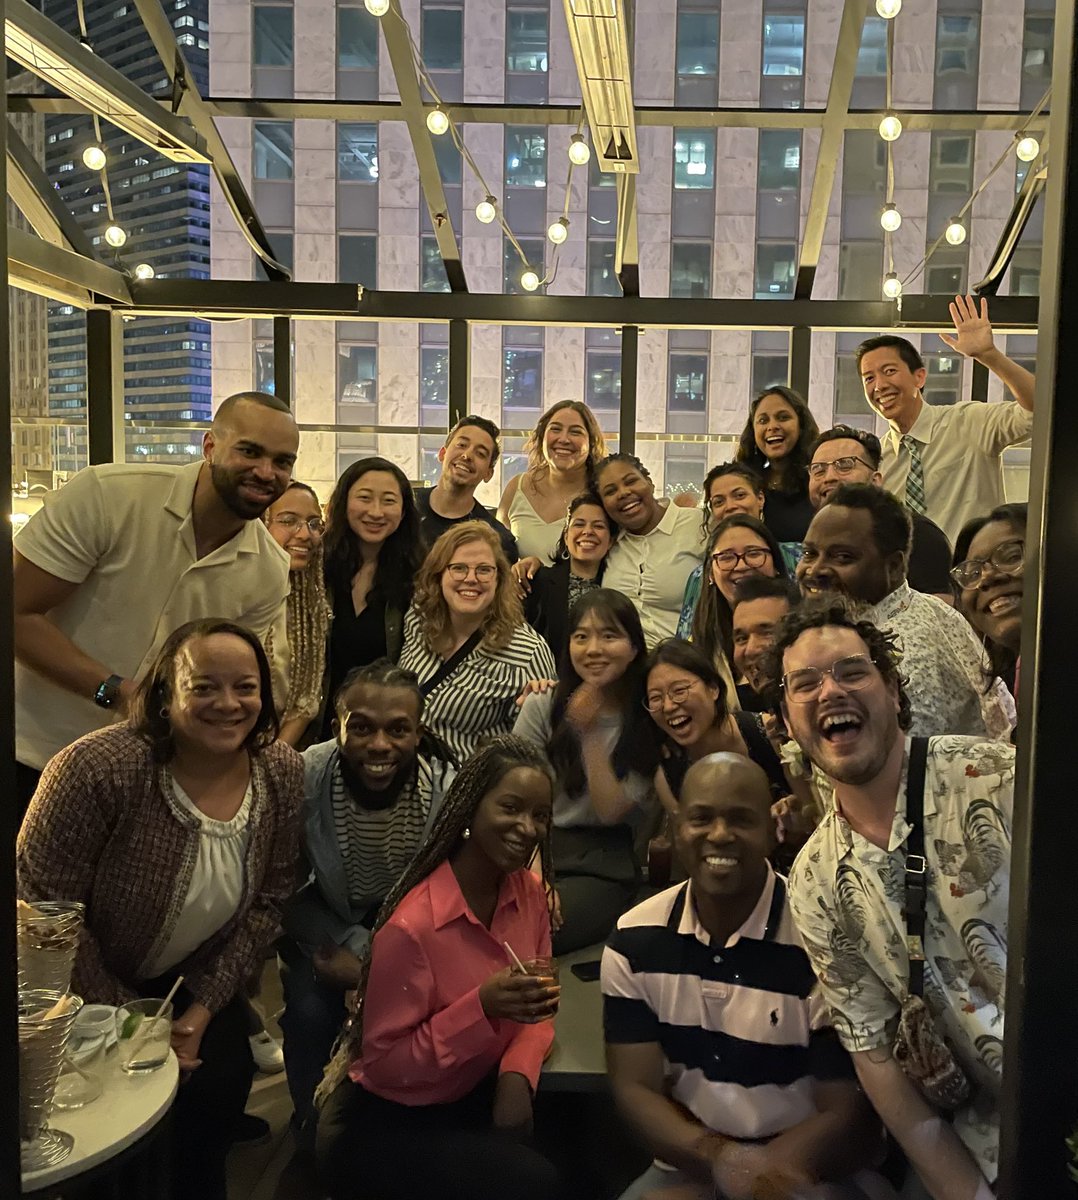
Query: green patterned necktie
[915, 480]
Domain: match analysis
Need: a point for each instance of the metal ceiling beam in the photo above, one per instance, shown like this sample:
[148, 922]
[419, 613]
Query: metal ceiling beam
[37, 266]
[39, 202]
[414, 112]
[241, 298]
[626, 244]
[1032, 187]
[832, 131]
[187, 101]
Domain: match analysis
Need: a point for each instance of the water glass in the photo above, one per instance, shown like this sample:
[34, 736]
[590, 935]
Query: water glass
[143, 1038]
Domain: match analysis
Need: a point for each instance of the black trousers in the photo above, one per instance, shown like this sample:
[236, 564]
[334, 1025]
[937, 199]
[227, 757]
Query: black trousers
[211, 1099]
[373, 1149]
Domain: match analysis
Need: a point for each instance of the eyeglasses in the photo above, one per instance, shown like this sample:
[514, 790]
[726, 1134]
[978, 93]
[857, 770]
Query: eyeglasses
[843, 466]
[676, 695]
[754, 557]
[851, 674]
[460, 571]
[1007, 557]
[290, 521]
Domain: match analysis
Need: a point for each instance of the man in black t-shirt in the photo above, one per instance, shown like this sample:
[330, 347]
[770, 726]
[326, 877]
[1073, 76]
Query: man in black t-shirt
[468, 458]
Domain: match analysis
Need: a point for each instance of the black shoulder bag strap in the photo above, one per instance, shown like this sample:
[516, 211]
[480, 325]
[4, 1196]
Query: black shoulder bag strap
[916, 865]
[451, 663]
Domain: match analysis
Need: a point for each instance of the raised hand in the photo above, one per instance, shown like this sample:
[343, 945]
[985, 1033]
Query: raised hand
[973, 331]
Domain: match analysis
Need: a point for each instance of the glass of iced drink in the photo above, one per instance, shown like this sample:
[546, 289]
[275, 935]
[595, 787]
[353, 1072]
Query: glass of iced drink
[143, 1037]
[545, 969]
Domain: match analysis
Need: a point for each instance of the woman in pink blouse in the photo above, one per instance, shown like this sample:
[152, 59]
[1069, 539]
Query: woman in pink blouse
[445, 1052]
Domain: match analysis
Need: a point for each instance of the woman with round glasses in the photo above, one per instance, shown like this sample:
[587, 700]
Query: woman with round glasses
[466, 639]
[373, 550]
[295, 523]
[988, 578]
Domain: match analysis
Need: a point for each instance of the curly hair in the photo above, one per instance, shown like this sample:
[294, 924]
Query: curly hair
[799, 457]
[837, 612]
[533, 447]
[491, 762]
[745, 471]
[892, 529]
[713, 621]
[505, 614]
[561, 550]
[149, 707]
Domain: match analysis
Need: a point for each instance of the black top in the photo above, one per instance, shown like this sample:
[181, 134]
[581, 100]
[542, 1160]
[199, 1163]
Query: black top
[432, 525]
[930, 557]
[353, 642]
[787, 514]
[762, 753]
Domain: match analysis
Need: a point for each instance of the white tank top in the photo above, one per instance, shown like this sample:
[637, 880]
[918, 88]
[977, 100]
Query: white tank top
[533, 534]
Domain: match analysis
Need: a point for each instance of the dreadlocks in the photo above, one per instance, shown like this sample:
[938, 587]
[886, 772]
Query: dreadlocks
[493, 760]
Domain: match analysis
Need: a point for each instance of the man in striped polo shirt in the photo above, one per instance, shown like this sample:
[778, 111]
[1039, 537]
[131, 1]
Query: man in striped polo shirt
[717, 1049]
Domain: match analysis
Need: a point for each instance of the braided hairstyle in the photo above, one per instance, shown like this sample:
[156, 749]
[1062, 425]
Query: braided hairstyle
[494, 759]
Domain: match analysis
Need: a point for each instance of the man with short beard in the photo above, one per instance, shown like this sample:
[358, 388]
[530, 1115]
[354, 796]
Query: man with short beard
[126, 553]
[370, 799]
[844, 703]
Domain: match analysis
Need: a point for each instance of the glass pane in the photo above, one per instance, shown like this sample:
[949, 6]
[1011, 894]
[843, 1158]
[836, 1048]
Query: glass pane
[358, 259]
[526, 40]
[357, 374]
[432, 269]
[690, 269]
[602, 385]
[525, 157]
[698, 44]
[780, 159]
[860, 271]
[784, 43]
[357, 153]
[872, 54]
[273, 150]
[956, 44]
[434, 377]
[1037, 52]
[272, 36]
[602, 281]
[951, 165]
[443, 38]
[513, 268]
[357, 38]
[448, 158]
[264, 372]
[281, 245]
[768, 370]
[775, 268]
[694, 158]
[688, 383]
[522, 382]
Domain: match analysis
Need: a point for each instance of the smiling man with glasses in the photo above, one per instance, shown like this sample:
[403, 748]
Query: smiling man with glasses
[843, 700]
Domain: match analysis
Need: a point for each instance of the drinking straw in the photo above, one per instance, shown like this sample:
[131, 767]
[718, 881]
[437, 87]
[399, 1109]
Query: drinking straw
[143, 1030]
[513, 956]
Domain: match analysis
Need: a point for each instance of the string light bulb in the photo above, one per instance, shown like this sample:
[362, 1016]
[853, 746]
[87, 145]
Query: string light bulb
[144, 271]
[377, 8]
[890, 218]
[559, 231]
[892, 286]
[115, 235]
[890, 127]
[955, 233]
[579, 150]
[486, 210]
[94, 157]
[1028, 148]
[529, 280]
[437, 121]
[888, 9]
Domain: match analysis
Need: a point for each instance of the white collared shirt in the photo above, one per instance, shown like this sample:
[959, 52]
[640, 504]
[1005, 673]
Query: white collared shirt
[652, 569]
[943, 662]
[123, 532]
[961, 446]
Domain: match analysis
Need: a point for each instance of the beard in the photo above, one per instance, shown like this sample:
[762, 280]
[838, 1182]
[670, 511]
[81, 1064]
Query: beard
[227, 485]
[369, 798]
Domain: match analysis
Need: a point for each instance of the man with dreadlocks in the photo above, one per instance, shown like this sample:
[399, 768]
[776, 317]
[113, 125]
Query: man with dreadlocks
[448, 1037]
[371, 795]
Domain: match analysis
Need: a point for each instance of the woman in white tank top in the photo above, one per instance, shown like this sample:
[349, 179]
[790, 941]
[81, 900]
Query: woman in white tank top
[562, 452]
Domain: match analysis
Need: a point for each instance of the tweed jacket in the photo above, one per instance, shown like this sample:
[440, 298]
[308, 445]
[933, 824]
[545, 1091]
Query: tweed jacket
[103, 829]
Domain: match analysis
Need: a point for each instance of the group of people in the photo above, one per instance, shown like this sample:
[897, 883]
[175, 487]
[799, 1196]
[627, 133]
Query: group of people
[413, 749]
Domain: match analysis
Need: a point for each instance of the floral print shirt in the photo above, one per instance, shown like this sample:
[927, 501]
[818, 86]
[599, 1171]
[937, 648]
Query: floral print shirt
[846, 895]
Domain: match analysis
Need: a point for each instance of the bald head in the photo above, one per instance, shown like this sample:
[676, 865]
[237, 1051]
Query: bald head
[226, 411]
[725, 772]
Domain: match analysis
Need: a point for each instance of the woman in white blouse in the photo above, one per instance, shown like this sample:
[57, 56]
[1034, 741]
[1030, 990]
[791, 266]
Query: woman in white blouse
[466, 639]
[562, 453]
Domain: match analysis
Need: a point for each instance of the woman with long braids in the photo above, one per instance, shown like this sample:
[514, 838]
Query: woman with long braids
[430, 1092]
[295, 524]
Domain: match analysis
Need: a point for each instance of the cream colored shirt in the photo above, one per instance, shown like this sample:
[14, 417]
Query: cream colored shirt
[961, 446]
[533, 534]
[124, 534]
[652, 568]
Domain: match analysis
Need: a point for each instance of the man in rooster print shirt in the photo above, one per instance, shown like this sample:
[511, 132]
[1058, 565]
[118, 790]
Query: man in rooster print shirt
[842, 700]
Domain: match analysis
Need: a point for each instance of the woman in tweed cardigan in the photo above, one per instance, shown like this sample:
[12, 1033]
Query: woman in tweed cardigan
[123, 819]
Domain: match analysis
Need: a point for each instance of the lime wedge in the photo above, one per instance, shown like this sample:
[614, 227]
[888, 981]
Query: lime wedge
[131, 1022]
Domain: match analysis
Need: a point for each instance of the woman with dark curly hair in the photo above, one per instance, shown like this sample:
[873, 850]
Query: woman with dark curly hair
[777, 440]
[466, 639]
[178, 830]
[372, 552]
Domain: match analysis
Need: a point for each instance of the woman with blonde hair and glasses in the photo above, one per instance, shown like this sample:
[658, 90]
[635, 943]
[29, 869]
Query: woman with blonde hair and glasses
[466, 639]
[563, 451]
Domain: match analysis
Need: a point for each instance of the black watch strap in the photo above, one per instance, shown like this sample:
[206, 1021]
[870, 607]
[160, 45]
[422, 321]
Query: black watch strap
[108, 692]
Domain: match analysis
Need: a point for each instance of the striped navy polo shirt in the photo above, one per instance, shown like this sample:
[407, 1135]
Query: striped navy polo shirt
[742, 1027]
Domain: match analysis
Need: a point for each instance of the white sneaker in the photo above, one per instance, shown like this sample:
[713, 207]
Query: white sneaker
[268, 1055]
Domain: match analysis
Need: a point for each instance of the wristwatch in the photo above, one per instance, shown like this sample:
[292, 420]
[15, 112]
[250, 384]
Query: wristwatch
[108, 692]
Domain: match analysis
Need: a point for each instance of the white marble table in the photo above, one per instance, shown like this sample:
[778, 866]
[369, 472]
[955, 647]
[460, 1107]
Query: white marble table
[128, 1107]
